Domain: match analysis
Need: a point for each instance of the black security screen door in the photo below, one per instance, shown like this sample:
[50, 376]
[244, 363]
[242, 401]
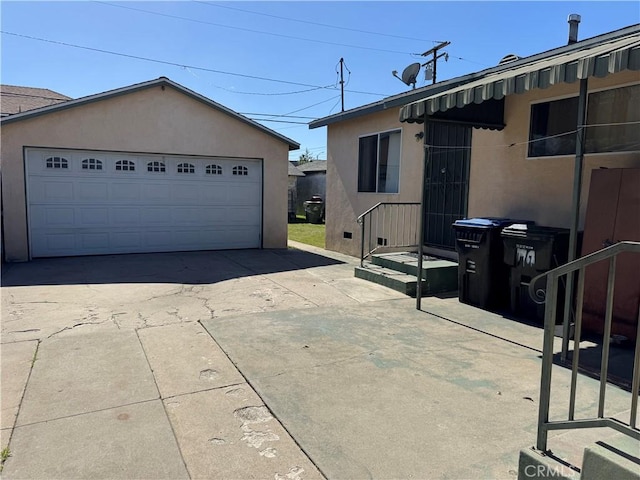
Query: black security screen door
[446, 182]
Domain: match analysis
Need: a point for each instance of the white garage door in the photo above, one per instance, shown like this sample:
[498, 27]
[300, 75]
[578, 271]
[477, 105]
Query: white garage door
[88, 203]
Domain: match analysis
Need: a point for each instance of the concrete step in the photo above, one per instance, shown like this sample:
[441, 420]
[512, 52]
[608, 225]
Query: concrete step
[437, 280]
[615, 458]
[583, 454]
[408, 263]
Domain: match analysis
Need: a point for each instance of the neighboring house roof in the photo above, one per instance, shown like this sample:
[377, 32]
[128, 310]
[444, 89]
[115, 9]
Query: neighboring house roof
[313, 166]
[162, 81]
[15, 99]
[294, 171]
[628, 56]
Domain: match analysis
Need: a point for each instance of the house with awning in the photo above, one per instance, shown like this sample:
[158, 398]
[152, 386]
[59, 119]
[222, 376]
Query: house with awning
[501, 142]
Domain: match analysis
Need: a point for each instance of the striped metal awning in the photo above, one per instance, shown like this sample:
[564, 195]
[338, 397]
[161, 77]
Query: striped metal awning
[597, 61]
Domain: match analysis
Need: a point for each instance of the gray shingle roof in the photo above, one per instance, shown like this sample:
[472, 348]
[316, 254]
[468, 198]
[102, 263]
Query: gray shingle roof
[294, 171]
[313, 166]
[15, 99]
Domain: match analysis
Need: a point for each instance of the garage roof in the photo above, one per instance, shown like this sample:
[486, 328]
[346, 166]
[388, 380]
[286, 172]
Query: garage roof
[162, 81]
[599, 60]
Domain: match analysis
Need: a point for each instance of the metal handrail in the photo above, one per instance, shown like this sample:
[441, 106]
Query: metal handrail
[550, 299]
[406, 230]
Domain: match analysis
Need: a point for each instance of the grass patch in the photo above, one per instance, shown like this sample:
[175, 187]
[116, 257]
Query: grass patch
[4, 454]
[309, 233]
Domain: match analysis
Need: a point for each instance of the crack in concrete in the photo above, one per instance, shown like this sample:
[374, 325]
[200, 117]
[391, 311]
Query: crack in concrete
[35, 303]
[25, 331]
[114, 318]
[144, 320]
[78, 325]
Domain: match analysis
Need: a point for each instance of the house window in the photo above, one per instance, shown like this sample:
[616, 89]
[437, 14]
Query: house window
[91, 164]
[612, 123]
[155, 167]
[553, 125]
[240, 170]
[379, 163]
[615, 116]
[57, 162]
[213, 169]
[186, 168]
[125, 165]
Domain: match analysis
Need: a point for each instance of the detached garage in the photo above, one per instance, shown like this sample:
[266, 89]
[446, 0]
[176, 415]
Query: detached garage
[153, 167]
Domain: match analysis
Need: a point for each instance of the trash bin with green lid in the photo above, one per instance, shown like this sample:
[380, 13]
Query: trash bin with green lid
[483, 278]
[530, 250]
[314, 209]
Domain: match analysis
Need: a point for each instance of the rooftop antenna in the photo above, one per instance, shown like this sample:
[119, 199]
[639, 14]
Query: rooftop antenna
[409, 74]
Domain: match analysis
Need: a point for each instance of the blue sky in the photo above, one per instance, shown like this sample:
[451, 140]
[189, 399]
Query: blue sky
[295, 45]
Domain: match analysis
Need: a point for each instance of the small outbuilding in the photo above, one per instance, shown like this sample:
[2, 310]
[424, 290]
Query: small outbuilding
[152, 167]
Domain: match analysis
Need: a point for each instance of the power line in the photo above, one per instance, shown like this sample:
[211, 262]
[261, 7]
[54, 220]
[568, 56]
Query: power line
[314, 23]
[272, 115]
[278, 121]
[310, 106]
[174, 64]
[232, 90]
[456, 58]
[313, 40]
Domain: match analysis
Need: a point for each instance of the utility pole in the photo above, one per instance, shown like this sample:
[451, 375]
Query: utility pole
[342, 83]
[434, 60]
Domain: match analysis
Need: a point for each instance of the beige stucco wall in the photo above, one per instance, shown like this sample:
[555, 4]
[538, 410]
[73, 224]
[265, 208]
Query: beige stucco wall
[343, 202]
[505, 183]
[154, 120]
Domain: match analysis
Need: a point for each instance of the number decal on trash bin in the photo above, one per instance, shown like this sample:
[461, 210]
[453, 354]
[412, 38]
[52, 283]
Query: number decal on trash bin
[525, 255]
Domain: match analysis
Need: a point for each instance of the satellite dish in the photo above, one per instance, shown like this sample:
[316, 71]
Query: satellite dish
[409, 75]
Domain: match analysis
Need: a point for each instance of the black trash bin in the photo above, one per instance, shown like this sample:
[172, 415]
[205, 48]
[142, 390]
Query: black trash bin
[314, 209]
[530, 250]
[483, 278]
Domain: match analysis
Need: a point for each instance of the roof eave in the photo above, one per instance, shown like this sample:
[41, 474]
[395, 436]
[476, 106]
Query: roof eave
[420, 94]
[162, 81]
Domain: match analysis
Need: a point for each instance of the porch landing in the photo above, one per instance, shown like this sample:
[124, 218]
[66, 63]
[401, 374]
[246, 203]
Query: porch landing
[398, 271]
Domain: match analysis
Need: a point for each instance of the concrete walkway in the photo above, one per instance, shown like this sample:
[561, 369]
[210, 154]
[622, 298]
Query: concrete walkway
[259, 364]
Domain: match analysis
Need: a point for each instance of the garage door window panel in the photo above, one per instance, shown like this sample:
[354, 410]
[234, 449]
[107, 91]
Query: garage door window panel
[240, 170]
[213, 169]
[57, 162]
[125, 166]
[156, 167]
[186, 168]
[91, 164]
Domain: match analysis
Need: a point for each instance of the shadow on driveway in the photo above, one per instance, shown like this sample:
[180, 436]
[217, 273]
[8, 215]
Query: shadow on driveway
[190, 268]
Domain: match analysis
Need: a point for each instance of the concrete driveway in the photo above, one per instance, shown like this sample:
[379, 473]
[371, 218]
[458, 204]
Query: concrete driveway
[259, 364]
